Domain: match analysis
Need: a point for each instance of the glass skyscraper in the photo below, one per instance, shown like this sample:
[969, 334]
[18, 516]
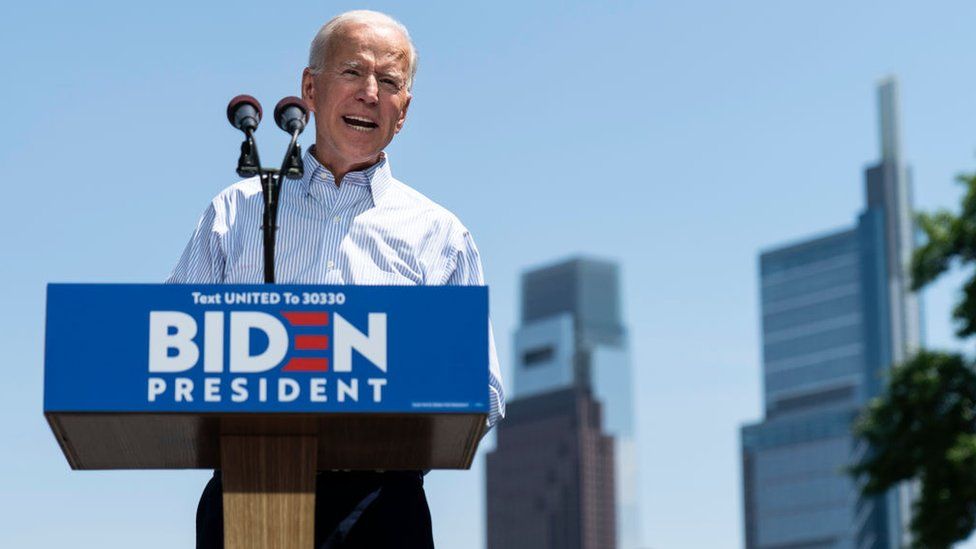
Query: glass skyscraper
[836, 314]
[571, 342]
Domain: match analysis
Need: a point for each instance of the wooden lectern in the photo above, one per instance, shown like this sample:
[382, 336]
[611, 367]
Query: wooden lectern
[267, 389]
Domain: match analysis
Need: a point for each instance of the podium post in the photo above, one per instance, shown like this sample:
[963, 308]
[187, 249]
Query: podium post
[269, 490]
[268, 384]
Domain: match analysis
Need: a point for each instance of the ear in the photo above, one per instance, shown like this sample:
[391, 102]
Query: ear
[308, 88]
[403, 113]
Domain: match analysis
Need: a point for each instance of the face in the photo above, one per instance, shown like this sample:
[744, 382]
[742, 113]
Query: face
[360, 96]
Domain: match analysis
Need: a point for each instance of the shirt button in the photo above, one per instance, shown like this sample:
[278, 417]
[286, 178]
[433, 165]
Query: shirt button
[337, 219]
[330, 264]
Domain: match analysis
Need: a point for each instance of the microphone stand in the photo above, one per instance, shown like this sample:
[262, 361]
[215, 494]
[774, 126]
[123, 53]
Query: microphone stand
[270, 188]
[292, 167]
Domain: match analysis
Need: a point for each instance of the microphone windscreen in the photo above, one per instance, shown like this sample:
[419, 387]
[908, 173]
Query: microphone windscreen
[237, 102]
[284, 104]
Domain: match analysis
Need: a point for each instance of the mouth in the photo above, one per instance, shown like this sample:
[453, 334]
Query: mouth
[360, 123]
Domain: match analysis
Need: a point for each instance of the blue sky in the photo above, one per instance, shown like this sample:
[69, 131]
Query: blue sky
[676, 138]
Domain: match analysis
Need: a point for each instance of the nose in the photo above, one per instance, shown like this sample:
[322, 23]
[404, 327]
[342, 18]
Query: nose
[369, 92]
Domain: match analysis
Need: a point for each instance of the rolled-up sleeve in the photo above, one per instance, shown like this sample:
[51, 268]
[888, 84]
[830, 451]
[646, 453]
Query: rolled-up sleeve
[202, 261]
[467, 271]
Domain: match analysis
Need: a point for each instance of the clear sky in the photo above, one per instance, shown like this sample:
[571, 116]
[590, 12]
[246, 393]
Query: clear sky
[677, 138]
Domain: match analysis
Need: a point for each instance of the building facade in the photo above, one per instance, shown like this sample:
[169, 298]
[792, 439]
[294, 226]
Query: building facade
[837, 312]
[550, 478]
[571, 338]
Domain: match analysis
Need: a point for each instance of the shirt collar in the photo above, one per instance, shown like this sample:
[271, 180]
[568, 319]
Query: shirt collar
[377, 177]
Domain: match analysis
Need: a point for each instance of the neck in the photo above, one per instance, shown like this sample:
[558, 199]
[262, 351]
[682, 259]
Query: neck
[339, 168]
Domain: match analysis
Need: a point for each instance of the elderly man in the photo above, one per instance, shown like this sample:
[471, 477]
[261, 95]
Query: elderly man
[348, 221]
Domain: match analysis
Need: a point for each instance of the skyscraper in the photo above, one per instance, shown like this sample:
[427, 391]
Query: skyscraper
[836, 314]
[571, 361]
[550, 478]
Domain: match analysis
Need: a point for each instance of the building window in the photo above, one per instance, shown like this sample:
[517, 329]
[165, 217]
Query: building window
[540, 355]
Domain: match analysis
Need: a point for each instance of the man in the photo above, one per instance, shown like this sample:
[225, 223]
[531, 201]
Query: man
[348, 221]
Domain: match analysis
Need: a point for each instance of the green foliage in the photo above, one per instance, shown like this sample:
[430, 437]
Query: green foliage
[923, 426]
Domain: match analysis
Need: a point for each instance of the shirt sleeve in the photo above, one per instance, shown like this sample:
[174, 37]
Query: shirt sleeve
[467, 271]
[202, 261]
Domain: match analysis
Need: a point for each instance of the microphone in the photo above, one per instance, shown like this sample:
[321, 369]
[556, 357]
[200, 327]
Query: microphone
[244, 113]
[291, 114]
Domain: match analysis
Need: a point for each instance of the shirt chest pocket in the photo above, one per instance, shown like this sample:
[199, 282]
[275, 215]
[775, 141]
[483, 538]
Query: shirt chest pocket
[239, 272]
[378, 256]
[373, 277]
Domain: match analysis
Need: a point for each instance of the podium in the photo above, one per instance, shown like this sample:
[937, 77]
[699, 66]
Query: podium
[269, 384]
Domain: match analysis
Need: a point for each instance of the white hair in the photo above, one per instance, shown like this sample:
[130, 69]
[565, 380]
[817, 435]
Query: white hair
[319, 50]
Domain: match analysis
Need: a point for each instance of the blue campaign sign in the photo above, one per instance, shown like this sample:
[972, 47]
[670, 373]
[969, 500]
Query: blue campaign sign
[266, 348]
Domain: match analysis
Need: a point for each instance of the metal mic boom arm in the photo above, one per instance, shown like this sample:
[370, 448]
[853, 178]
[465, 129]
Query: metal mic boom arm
[249, 165]
[291, 115]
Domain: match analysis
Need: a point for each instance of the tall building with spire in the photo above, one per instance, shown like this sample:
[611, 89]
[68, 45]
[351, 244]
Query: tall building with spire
[564, 471]
[837, 313]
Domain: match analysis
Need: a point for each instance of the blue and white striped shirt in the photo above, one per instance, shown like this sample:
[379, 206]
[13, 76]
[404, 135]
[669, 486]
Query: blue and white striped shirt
[370, 230]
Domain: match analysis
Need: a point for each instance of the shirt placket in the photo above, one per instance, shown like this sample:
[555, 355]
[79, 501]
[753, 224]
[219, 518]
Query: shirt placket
[337, 225]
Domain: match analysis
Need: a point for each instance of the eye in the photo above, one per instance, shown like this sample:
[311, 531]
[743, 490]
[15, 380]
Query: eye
[391, 83]
[351, 72]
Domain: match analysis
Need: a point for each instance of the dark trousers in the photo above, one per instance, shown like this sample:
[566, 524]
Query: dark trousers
[353, 510]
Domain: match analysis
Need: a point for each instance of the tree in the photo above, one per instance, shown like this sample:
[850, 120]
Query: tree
[923, 426]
